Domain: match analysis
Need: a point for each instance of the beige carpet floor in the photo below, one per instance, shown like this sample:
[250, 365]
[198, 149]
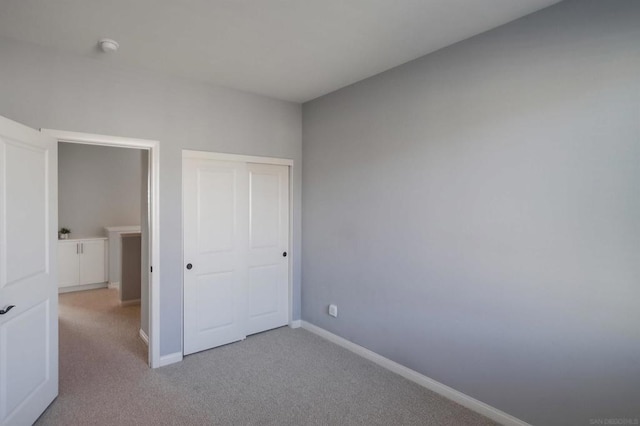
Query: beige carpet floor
[281, 377]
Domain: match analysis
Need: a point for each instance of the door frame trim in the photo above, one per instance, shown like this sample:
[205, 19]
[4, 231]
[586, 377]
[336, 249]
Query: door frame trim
[153, 147]
[222, 156]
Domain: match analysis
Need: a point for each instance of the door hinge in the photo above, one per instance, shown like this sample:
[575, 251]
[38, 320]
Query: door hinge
[151, 268]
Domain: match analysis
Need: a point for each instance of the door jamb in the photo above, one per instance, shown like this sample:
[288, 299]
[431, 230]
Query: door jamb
[154, 218]
[220, 156]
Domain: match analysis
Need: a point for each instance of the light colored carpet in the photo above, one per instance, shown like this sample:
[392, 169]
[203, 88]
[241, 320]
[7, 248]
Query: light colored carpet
[281, 377]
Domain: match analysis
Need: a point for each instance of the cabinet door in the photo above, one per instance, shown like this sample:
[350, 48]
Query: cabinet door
[92, 267]
[68, 263]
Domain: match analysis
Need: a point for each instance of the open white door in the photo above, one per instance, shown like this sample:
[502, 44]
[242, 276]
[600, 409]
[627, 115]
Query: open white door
[28, 265]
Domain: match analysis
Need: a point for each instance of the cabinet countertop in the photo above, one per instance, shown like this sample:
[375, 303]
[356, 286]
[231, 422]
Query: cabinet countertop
[71, 240]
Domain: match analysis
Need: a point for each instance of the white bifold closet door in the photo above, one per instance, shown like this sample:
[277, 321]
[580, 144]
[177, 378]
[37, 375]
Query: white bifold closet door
[236, 236]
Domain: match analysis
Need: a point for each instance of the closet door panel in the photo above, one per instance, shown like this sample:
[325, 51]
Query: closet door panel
[215, 234]
[268, 260]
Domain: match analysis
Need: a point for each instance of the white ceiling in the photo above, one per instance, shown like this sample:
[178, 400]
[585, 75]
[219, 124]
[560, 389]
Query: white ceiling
[295, 50]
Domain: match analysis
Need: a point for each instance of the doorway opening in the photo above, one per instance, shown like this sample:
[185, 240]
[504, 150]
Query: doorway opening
[127, 248]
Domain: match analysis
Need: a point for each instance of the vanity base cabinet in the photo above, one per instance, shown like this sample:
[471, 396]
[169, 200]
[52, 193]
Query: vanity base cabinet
[82, 262]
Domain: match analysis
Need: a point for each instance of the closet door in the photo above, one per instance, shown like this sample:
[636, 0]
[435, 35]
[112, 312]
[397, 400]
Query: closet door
[215, 209]
[268, 257]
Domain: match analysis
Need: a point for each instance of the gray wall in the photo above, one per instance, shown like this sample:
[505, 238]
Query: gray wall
[98, 186]
[47, 89]
[131, 264]
[475, 214]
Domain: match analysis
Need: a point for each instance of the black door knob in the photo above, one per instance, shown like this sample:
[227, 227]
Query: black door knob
[284, 254]
[189, 266]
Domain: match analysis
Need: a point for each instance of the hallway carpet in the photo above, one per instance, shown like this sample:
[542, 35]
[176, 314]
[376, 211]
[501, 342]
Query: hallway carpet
[281, 377]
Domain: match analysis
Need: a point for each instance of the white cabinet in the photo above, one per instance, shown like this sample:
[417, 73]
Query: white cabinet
[68, 263]
[81, 262]
[92, 264]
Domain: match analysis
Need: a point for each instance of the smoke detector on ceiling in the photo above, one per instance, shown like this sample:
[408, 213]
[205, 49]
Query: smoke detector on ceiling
[107, 45]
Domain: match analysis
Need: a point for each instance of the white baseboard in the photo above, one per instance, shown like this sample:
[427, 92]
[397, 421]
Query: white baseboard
[81, 287]
[129, 302]
[170, 359]
[409, 374]
[144, 337]
[115, 284]
[295, 324]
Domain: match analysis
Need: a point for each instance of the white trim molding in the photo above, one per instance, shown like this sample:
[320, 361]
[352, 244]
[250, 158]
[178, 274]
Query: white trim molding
[422, 380]
[94, 139]
[221, 156]
[295, 324]
[170, 359]
[154, 219]
[144, 337]
[114, 284]
[292, 253]
[81, 287]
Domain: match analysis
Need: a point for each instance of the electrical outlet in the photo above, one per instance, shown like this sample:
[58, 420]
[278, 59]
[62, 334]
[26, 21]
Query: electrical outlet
[333, 310]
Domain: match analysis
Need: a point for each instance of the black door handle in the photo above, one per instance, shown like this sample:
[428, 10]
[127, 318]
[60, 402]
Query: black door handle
[284, 254]
[189, 266]
[4, 311]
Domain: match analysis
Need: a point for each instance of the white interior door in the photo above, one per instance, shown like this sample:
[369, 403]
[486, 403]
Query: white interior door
[28, 265]
[268, 258]
[215, 234]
